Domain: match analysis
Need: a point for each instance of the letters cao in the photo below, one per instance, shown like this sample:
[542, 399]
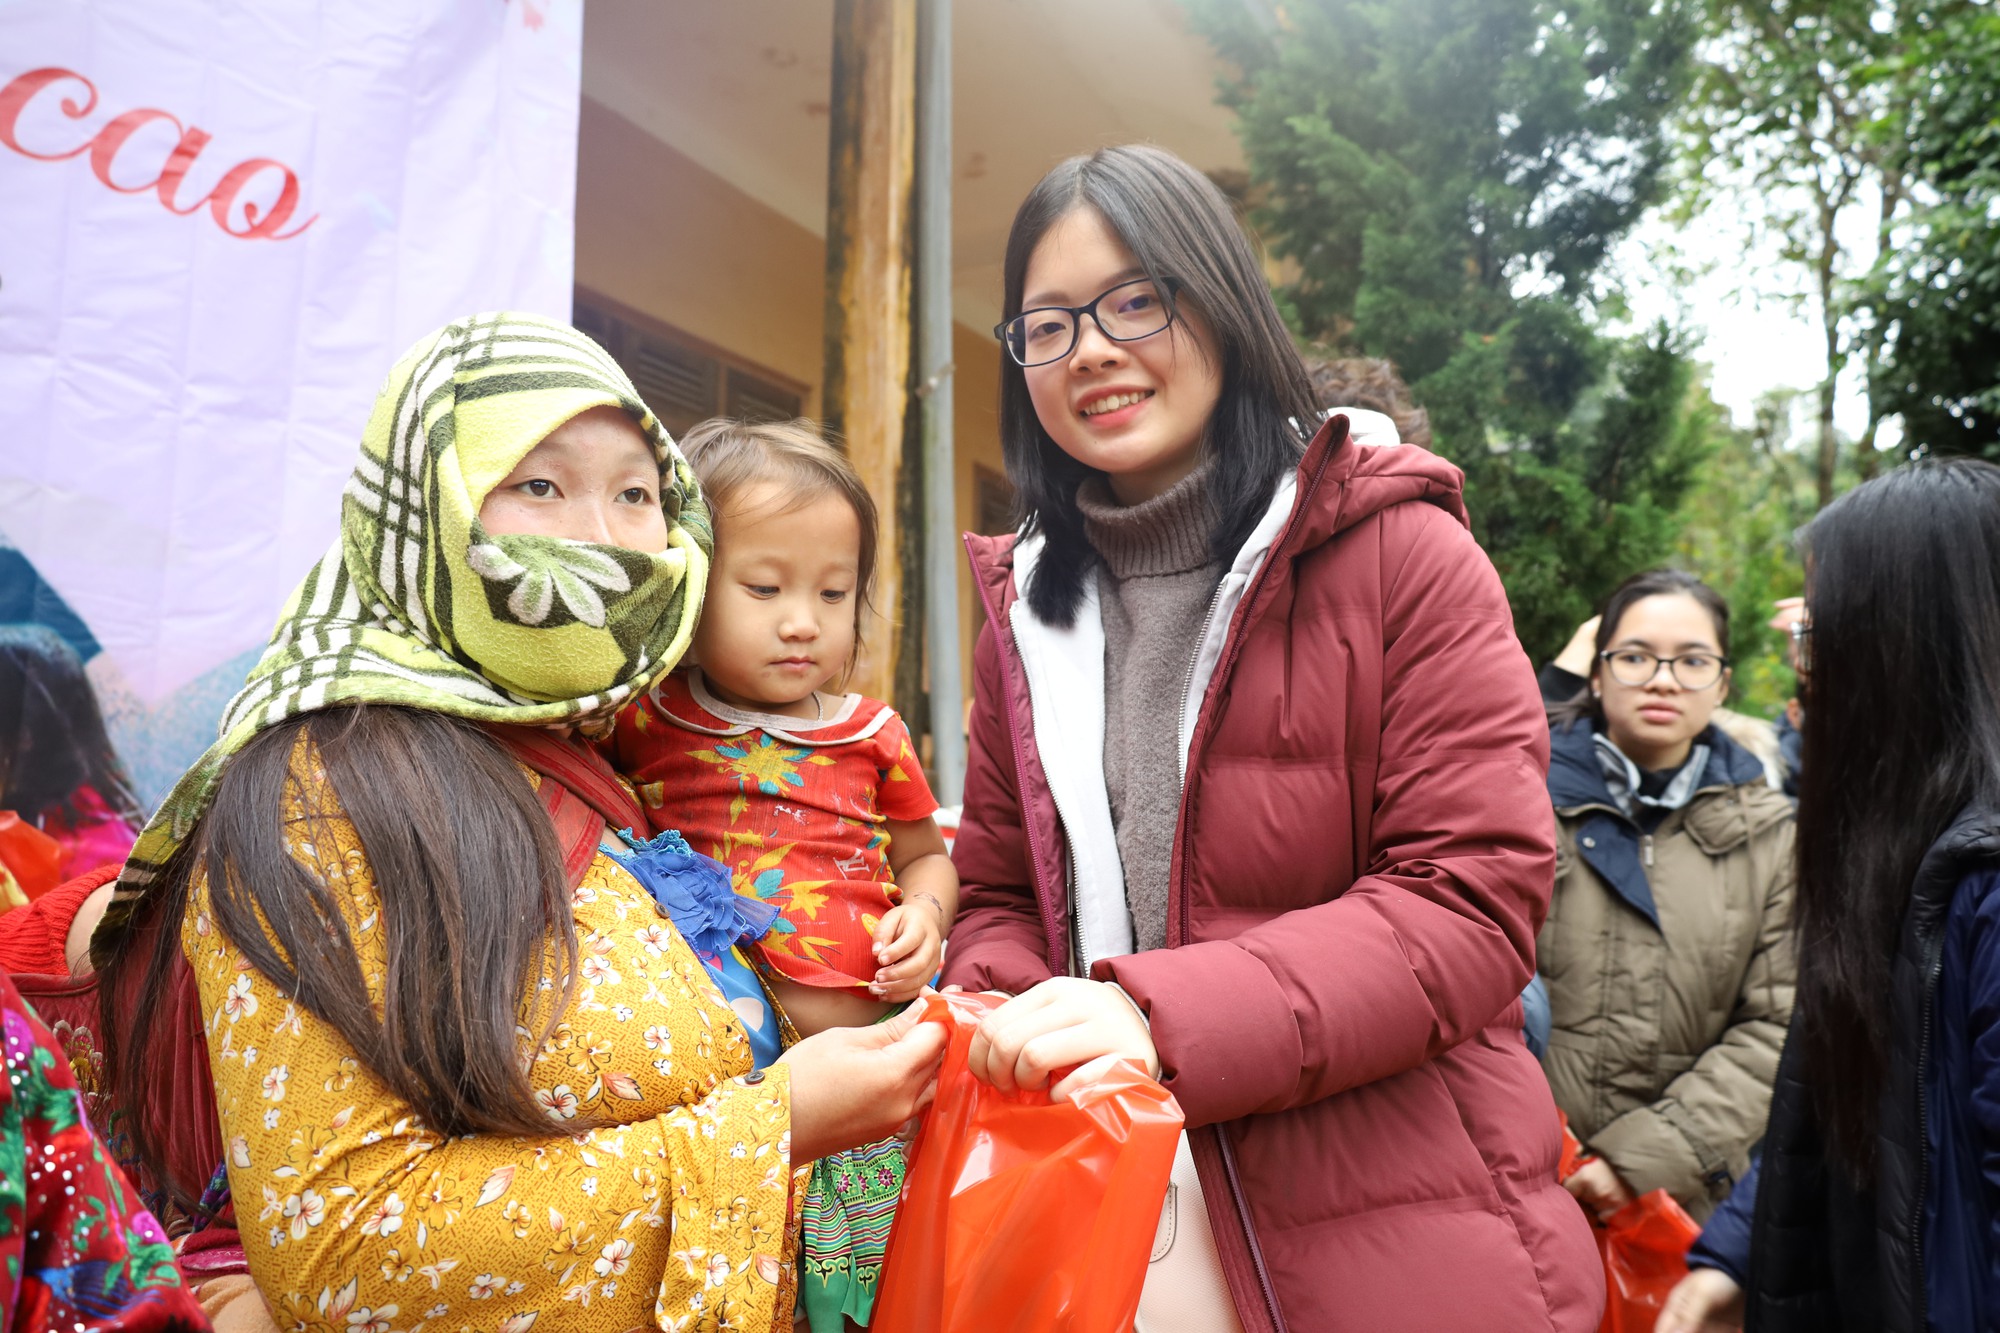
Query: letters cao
[106, 144]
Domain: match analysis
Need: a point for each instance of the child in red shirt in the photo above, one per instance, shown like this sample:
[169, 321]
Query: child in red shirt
[814, 801]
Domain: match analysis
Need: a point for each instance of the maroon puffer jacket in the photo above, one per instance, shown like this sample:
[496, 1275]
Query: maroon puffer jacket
[1364, 855]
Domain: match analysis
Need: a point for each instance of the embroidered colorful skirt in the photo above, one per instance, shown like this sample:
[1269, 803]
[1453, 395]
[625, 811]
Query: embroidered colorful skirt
[850, 1205]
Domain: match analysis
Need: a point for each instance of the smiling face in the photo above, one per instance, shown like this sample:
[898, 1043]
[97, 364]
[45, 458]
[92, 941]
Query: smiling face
[1135, 411]
[1655, 723]
[592, 479]
[779, 619]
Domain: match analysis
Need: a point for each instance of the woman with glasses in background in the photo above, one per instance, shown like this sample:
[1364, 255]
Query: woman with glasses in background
[1255, 793]
[1666, 953]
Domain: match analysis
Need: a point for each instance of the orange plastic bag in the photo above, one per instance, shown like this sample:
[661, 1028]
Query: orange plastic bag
[1644, 1246]
[1022, 1215]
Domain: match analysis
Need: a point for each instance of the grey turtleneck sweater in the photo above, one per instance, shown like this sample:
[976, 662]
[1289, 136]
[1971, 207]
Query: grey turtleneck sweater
[1155, 586]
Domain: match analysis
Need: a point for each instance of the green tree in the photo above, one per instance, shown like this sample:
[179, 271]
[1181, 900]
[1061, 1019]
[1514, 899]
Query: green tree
[1442, 181]
[1753, 493]
[1793, 114]
[1939, 298]
[1569, 515]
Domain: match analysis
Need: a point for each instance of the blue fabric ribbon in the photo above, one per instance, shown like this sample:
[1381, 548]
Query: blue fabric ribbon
[695, 892]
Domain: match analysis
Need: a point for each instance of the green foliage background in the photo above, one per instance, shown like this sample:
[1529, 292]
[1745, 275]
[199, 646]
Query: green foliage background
[1938, 293]
[1441, 182]
[1736, 527]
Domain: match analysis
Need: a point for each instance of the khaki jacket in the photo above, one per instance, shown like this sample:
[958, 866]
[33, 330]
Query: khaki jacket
[1669, 964]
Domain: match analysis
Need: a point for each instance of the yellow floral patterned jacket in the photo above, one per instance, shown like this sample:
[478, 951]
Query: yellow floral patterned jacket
[357, 1218]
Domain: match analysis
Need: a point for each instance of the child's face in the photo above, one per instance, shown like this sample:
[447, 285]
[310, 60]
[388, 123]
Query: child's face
[779, 619]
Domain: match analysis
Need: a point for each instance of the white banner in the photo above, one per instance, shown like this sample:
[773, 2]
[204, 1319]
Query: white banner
[220, 222]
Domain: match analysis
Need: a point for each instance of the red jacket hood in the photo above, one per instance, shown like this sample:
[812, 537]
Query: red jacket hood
[1340, 483]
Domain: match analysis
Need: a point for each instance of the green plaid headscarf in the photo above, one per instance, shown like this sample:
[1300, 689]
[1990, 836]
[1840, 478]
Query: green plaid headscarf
[418, 605]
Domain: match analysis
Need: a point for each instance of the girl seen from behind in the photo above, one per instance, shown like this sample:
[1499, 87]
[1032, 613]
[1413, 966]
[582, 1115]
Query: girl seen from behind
[58, 772]
[1875, 1202]
[1255, 794]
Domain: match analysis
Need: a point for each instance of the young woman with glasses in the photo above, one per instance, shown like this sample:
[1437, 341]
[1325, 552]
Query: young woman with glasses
[1255, 795]
[1666, 954]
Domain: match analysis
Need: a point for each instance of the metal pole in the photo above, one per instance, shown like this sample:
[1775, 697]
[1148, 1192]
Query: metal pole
[934, 371]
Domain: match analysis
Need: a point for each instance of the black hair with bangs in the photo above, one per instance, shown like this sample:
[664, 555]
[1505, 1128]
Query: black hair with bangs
[1181, 229]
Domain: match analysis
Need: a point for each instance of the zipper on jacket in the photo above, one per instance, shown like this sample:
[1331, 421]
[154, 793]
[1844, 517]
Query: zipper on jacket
[1077, 966]
[1231, 648]
[1646, 849]
[1081, 953]
[1933, 966]
[1249, 1233]
[1194, 660]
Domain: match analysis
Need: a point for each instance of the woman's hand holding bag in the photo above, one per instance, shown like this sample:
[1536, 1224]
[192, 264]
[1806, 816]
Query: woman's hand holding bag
[852, 1086]
[1065, 1023]
[1022, 1214]
[1642, 1240]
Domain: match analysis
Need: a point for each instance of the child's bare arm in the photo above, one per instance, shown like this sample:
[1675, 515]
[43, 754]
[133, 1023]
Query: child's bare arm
[909, 944]
[917, 855]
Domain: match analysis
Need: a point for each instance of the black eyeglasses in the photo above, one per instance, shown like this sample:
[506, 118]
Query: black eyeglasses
[1634, 667]
[1125, 313]
[1801, 646]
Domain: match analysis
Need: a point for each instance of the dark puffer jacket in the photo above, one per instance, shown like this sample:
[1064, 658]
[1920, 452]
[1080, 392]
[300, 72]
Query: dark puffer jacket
[1919, 1251]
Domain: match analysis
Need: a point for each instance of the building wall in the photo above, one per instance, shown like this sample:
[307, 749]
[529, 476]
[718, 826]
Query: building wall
[673, 241]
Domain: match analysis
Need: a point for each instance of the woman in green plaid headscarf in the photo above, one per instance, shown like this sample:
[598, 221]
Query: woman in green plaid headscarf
[418, 605]
[379, 920]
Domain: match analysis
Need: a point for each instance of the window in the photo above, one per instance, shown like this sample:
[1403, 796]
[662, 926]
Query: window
[681, 379]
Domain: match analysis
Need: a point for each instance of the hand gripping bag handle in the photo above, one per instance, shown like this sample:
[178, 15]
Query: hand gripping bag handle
[1644, 1247]
[1020, 1214]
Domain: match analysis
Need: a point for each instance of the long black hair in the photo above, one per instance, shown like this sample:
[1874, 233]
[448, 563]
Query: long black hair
[475, 911]
[52, 738]
[1180, 228]
[1661, 582]
[1901, 732]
